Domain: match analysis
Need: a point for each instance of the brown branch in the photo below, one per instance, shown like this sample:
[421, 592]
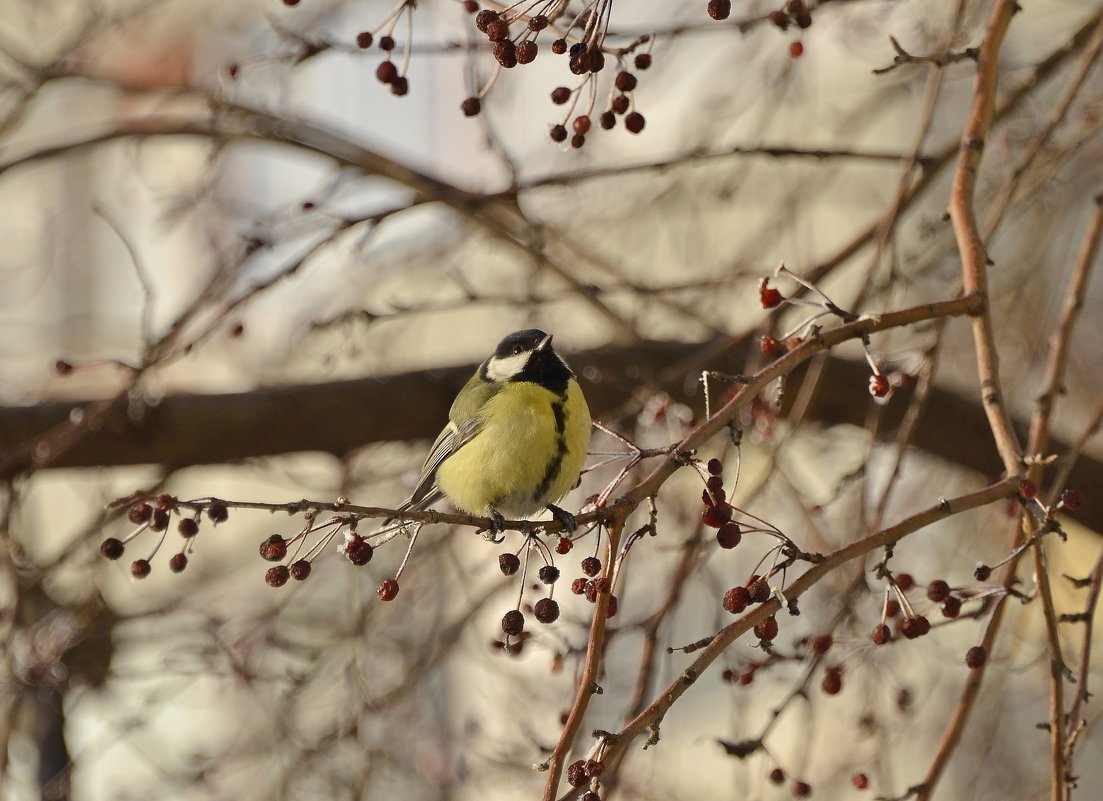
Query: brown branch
[726, 636]
[938, 59]
[974, 257]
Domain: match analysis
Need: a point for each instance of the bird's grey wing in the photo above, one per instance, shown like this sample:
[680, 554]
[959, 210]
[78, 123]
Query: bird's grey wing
[451, 439]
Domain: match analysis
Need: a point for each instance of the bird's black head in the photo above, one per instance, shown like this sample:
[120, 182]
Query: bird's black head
[528, 356]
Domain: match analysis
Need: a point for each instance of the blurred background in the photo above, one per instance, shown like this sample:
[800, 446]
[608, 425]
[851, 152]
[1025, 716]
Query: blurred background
[236, 264]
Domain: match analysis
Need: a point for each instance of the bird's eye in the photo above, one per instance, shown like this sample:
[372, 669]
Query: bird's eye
[517, 349]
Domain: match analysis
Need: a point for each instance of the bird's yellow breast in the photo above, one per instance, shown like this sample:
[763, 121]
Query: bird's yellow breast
[528, 454]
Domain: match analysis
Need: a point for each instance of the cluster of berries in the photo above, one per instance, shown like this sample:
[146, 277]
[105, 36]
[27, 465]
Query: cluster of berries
[157, 517]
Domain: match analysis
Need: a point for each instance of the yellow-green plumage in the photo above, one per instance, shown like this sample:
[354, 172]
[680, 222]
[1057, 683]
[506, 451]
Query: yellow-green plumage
[516, 437]
[524, 457]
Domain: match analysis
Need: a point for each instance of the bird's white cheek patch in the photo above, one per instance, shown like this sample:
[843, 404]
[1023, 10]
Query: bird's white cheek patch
[504, 368]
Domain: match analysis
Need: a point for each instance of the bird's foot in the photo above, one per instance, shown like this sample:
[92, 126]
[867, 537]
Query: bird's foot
[563, 517]
[497, 526]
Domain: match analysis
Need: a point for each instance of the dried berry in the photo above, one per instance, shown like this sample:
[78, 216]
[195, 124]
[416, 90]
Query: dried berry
[484, 18]
[766, 629]
[760, 591]
[111, 548]
[625, 81]
[277, 576]
[620, 104]
[860, 781]
[538, 23]
[905, 581]
[1072, 499]
[217, 512]
[300, 570]
[188, 527]
[386, 43]
[833, 681]
[508, 563]
[976, 656]
[386, 72]
[767, 344]
[719, 9]
[982, 572]
[634, 122]
[729, 535]
[178, 562]
[505, 53]
[576, 773]
[716, 516]
[527, 51]
[471, 106]
[140, 568]
[358, 550]
[780, 19]
[715, 467]
[546, 610]
[952, 607]
[881, 634]
[497, 31]
[796, 49]
[591, 566]
[564, 546]
[548, 574]
[938, 591]
[822, 643]
[513, 622]
[581, 124]
[559, 46]
[139, 513]
[160, 520]
[578, 586]
[560, 95]
[387, 590]
[273, 549]
[611, 607]
[737, 599]
[470, 6]
[364, 40]
[558, 133]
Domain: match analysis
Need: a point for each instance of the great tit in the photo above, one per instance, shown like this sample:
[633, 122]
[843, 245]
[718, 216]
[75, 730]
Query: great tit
[516, 436]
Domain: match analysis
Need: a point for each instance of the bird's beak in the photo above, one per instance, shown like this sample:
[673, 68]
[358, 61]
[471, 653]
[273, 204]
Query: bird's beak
[545, 344]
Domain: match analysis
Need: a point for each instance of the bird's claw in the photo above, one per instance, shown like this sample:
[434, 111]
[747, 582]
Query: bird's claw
[497, 526]
[563, 517]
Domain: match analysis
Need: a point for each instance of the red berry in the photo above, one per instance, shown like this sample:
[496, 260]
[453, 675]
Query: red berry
[527, 51]
[559, 46]
[386, 72]
[364, 40]
[982, 572]
[760, 591]
[625, 81]
[715, 467]
[548, 574]
[729, 535]
[470, 6]
[881, 634]
[1027, 488]
[188, 527]
[720, 9]
[619, 104]
[273, 549]
[938, 591]
[1072, 499]
[277, 576]
[591, 566]
[563, 546]
[905, 581]
[140, 568]
[513, 622]
[538, 23]
[506, 54]
[777, 775]
[111, 548]
[716, 516]
[471, 106]
[358, 550]
[578, 586]
[766, 629]
[558, 133]
[737, 599]
[822, 643]
[611, 607]
[300, 570]
[178, 562]
[780, 19]
[879, 386]
[139, 513]
[160, 520]
[768, 296]
[497, 30]
[860, 781]
[576, 773]
[608, 120]
[976, 656]
[910, 628]
[546, 610]
[560, 95]
[833, 681]
[952, 607]
[634, 122]
[642, 61]
[484, 18]
[582, 124]
[508, 563]
[768, 344]
[388, 590]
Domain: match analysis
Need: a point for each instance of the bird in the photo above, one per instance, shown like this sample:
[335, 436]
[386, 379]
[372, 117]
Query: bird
[516, 437]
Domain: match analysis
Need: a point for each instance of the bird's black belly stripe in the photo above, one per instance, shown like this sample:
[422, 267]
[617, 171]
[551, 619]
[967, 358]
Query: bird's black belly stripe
[556, 462]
